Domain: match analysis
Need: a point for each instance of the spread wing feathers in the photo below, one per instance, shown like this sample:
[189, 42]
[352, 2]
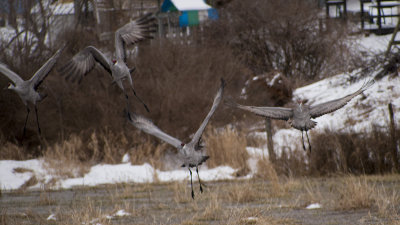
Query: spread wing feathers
[331, 106]
[278, 113]
[133, 32]
[42, 73]
[83, 62]
[217, 100]
[148, 127]
[15, 78]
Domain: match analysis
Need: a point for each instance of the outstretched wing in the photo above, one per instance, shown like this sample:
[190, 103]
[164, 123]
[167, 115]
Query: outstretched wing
[217, 100]
[83, 62]
[133, 32]
[15, 78]
[331, 106]
[147, 126]
[42, 73]
[278, 113]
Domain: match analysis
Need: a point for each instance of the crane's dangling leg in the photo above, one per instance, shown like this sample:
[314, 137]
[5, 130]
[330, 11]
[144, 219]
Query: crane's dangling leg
[37, 121]
[191, 182]
[26, 120]
[308, 139]
[144, 104]
[302, 139]
[201, 188]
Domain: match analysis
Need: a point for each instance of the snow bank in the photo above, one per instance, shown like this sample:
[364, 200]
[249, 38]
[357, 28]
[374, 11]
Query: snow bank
[101, 174]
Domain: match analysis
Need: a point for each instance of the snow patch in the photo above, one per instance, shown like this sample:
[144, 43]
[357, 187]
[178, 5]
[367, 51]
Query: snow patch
[51, 217]
[314, 206]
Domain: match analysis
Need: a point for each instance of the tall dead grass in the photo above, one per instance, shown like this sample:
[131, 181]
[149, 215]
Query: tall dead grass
[351, 152]
[363, 192]
[149, 152]
[64, 160]
[226, 146]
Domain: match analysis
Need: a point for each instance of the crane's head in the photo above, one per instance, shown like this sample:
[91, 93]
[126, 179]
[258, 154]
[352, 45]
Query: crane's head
[114, 61]
[301, 102]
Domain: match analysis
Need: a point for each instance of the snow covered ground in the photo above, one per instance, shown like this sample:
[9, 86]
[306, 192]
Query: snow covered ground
[365, 110]
[13, 174]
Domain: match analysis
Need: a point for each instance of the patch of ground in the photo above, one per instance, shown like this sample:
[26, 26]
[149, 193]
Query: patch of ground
[254, 201]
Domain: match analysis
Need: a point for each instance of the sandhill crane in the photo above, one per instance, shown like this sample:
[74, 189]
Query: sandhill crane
[131, 33]
[190, 153]
[299, 117]
[27, 90]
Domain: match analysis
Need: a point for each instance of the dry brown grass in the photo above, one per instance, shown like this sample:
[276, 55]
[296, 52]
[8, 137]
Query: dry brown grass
[149, 152]
[21, 170]
[226, 147]
[10, 150]
[30, 182]
[366, 192]
[224, 202]
[351, 152]
[355, 192]
[266, 170]
[247, 216]
[92, 214]
[181, 192]
[63, 160]
[236, 192]
[213, 210]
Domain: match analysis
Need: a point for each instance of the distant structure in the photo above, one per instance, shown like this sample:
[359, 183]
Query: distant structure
[190, 153]
[299, 117]
[340, 8]
[381, 15]
[177, 16]
[27, 90]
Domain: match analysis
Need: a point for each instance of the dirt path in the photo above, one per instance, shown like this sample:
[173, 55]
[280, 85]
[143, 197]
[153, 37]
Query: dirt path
[225, 202]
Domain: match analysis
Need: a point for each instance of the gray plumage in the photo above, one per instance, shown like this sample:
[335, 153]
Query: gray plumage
[299, 117]
[190, 152]
[131, 33]
[27, 89]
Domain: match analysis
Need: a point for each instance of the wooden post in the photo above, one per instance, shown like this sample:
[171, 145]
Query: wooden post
[395, 159]
[379, 22]
[270, 144]
[362, 14]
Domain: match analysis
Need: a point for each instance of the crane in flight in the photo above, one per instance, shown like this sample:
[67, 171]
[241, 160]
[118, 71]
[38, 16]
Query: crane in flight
[299, 116]
[190, 153]
[131, 33]
[27, 89]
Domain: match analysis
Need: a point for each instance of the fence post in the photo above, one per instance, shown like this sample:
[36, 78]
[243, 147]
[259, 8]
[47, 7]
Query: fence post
[395, 158]
[270, 143]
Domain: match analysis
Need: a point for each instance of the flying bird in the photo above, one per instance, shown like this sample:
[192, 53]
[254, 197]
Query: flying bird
[190, 153]
[131, 33]
[299, 117]
[27, 89]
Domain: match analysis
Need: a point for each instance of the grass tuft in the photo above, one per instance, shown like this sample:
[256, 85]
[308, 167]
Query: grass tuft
[226, 147]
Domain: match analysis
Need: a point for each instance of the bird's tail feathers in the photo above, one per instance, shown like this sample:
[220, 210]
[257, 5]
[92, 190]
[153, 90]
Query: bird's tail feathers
[310, 124]
[204, 158]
